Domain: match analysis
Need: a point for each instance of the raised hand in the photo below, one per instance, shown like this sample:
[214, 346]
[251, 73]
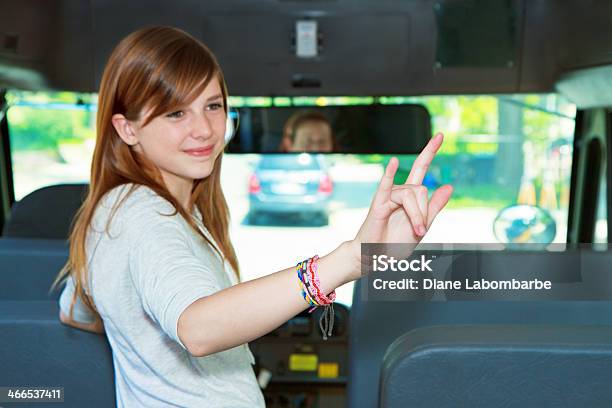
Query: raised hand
[403, 213]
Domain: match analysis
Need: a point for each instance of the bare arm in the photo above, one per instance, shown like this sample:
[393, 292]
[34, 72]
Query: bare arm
[249, 310]
[233, 316]
[96, 327]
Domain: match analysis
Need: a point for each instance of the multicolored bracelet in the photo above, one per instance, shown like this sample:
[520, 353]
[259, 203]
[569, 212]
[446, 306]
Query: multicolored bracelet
[310, 287]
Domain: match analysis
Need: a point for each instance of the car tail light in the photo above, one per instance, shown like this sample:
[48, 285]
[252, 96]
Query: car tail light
[325, 185]
[254, 186]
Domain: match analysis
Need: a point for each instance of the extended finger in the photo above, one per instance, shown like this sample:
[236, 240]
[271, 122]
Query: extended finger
[411, 207]
[423, 160]
[420, 192]
[438, 200]
[386, 183]
[422, 200]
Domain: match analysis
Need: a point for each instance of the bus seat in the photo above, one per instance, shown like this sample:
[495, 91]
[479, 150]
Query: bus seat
[376, 324]
[29, 266]
[46, 213]
[495, 366]
[37, 350]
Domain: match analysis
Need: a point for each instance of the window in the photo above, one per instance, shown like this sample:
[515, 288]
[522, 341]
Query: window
[499, 150]
[52, 136]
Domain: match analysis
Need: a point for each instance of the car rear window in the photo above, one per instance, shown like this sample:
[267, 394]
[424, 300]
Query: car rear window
[302, 161]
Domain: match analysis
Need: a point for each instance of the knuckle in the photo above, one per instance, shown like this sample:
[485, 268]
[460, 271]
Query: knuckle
[421, 189]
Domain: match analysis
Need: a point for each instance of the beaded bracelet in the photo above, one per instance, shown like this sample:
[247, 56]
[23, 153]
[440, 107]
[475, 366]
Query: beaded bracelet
[313, 267]
[310, 287]
[303, 280]
[308, 283]
[309, 293]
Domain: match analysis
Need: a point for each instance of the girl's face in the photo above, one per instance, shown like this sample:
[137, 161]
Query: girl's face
[185, 143]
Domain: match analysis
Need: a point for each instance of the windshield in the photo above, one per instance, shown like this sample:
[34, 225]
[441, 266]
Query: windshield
[499, 150]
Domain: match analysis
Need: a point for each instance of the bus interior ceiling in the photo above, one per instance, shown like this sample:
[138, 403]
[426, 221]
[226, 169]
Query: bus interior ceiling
[395, 48]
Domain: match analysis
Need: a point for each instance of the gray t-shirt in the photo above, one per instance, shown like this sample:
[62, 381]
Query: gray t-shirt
[143, 275]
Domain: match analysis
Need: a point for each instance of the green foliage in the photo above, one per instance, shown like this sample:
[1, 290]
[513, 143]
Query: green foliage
[32, 128]
[36, 125]
[483, 195]
[478, 114]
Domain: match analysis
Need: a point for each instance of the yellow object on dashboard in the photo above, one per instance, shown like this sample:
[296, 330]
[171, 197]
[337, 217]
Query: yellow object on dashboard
[328, 370]
[303, 362]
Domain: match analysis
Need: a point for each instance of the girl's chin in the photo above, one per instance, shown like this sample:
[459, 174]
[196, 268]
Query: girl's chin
[200, 175]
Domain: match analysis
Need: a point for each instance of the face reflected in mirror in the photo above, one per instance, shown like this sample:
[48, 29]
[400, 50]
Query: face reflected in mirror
[312, 137]
[308, 132]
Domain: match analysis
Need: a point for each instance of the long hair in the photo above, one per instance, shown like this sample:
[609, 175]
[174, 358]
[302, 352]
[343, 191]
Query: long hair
[160, 68]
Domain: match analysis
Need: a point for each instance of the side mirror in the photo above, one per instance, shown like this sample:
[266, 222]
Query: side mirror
[518, 225]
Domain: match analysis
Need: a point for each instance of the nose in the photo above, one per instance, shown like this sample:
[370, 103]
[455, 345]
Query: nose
[202, 127]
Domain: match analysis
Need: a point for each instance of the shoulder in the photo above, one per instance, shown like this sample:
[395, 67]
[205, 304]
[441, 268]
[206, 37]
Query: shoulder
[138, 210]
[135, 201]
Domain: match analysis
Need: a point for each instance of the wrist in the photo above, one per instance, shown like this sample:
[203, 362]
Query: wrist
[340, 266]
[352, 253]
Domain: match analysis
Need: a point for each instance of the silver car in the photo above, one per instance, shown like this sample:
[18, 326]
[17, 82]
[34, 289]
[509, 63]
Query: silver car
[290, 184]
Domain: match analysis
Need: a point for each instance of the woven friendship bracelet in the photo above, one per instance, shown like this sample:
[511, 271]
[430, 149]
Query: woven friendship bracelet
[304, 291]
[310, 287]
[322, 299]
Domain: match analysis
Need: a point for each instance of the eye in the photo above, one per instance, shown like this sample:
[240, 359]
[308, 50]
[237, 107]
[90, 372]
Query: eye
[215, 106]
[175, 115]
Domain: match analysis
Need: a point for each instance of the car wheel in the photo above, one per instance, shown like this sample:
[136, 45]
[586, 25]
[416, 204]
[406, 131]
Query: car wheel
[253, 218]
[323, 219]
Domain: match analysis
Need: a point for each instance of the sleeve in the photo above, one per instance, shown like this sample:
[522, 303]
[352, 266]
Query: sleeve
[167, 274]
[81, 313]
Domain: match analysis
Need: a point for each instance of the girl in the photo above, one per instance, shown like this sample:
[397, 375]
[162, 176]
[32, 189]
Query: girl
[151, 263]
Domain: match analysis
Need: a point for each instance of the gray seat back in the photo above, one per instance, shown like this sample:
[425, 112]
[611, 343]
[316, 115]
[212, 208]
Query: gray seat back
[495, 366]
[37, 350]
[46, 213]
[29, 266]
[376, 324]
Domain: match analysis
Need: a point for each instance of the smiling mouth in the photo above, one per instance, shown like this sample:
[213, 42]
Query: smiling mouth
[203, 151]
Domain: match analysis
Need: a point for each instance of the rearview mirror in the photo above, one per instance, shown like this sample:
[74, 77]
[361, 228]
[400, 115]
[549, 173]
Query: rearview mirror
[383, 129]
